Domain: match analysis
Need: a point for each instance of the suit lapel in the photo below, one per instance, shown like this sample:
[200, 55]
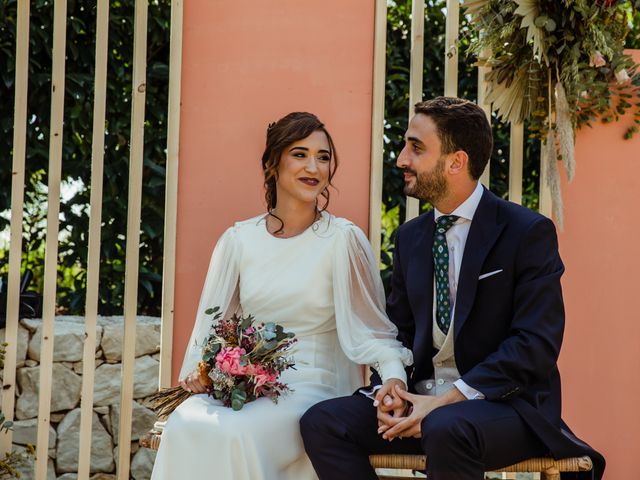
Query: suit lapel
[483, 233]
[422, 301]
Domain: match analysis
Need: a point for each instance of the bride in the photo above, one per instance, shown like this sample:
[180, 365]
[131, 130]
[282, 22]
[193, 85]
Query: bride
[315, 275]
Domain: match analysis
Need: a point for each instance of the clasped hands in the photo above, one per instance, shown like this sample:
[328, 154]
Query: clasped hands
[400, 413]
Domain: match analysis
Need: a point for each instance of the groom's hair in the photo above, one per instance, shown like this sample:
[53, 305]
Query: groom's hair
[462, 125]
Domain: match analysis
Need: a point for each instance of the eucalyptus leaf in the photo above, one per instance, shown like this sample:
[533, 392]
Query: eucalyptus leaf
[268, 335]
[246, 322]
[550, 25]
[237, 404]
[541, 21]
[208, 356]
[238, 398]
[271, 344]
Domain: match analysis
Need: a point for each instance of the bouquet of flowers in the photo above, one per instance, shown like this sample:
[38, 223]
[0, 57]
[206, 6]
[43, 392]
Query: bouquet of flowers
[240, 362]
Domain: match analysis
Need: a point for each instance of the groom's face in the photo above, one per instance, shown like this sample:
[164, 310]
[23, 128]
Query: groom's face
[422, 161]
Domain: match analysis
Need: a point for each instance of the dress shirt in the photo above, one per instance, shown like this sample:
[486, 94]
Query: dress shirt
[456, 240]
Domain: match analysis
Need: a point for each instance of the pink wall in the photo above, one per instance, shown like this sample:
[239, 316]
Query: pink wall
[600, 359]
[245, 65]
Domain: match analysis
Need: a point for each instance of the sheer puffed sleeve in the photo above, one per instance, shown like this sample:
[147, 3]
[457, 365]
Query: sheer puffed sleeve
[220, 290]
[366, 334]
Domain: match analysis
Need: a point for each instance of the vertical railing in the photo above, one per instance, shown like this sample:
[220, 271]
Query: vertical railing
[51, 245]
[516, 153]
[451, 49]
[482, 101]
[17, 204]
[95, 220]
[377, 126]
[545, 205]
[133, 236]
[415, 79]
[171, 199]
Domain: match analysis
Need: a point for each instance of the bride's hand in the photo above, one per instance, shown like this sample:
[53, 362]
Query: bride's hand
[192, 383]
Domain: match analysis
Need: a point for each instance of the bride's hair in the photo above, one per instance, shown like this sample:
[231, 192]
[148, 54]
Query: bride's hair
[289, 129]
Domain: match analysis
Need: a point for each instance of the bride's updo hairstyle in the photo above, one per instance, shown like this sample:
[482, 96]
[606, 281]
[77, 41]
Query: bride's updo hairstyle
[289, 129]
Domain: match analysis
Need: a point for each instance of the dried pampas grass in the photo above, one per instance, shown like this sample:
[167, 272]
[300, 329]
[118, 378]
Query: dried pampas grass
[564, 132]
[553, 176]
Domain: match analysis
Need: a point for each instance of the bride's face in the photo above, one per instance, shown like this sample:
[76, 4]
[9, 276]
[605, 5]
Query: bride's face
[303, 172]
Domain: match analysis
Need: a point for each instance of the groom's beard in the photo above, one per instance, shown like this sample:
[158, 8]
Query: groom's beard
[429, 186]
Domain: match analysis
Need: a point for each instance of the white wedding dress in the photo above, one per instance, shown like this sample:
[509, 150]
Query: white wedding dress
[324, 286]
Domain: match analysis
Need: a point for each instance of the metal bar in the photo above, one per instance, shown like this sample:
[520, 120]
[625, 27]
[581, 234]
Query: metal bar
[451, 49]
[171, 197]
[95, 221]
[133, 236]
[482, 102]
[545, 202]
[415, 79]
[516, 153]
[17, 204]
[51, 253]
[377, 127]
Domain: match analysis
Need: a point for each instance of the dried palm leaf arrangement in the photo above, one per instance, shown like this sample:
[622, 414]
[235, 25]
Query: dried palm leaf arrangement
[560, 65]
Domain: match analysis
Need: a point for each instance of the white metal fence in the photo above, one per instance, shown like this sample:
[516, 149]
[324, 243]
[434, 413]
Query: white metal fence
[93, 263]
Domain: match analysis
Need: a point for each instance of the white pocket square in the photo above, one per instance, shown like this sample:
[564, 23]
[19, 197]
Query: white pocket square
[489, 274]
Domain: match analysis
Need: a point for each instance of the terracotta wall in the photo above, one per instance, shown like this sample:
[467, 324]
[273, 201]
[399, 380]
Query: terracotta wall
[600, 359]
[245, 65]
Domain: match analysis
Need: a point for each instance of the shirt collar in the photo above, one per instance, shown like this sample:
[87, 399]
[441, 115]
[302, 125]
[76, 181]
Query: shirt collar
[466, 209]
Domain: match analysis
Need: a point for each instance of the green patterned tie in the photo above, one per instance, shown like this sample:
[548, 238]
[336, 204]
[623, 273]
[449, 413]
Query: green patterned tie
[441, 268]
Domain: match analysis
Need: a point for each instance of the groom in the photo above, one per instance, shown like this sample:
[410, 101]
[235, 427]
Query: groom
[476, 294]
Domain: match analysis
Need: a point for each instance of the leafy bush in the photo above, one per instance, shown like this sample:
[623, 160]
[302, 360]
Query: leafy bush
[76, 162]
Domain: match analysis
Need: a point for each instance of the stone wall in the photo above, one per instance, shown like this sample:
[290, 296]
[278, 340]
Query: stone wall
[65, 396]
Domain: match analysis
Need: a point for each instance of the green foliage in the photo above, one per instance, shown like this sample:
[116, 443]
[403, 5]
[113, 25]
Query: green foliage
[76, 162]
[633, 37]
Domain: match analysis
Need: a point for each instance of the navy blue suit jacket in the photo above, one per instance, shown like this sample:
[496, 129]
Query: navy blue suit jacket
[508, 327]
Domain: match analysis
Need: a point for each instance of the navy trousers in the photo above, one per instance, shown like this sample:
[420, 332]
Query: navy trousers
[461, 441]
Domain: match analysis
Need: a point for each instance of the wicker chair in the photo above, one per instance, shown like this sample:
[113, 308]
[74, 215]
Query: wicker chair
[548, 468]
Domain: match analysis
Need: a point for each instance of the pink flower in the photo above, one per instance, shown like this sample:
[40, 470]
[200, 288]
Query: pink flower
[597, 60]
[263, 376]
[249, 369]
[228, 360]
[622, 76]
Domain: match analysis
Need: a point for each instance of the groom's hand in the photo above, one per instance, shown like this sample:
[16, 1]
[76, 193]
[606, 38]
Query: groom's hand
[388, 402]
[422, 405]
